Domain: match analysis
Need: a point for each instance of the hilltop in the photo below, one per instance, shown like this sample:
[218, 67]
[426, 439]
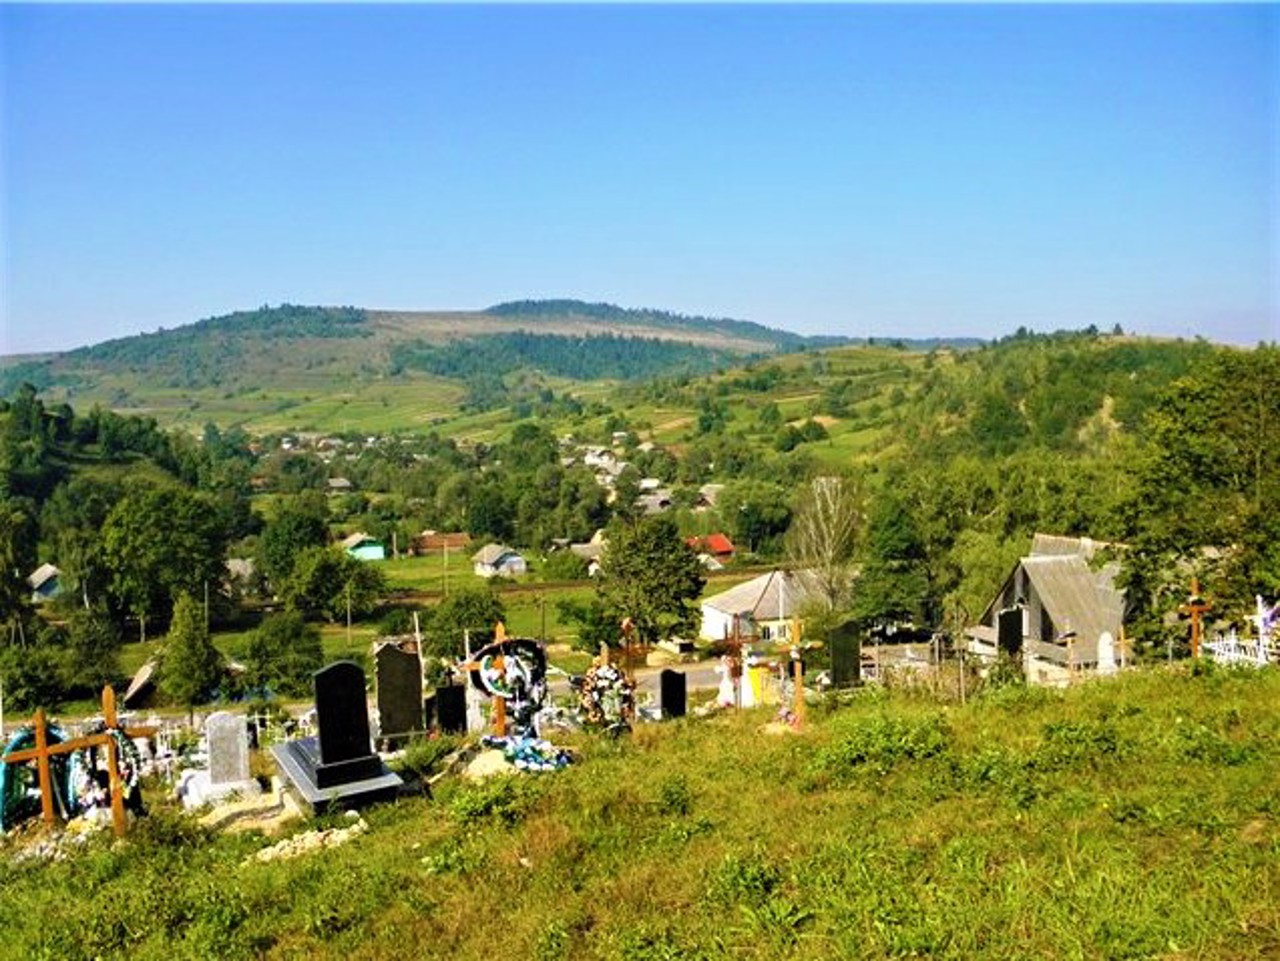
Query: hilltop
[248, 365]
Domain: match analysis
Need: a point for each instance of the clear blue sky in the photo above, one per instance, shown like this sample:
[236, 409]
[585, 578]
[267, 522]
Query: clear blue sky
[851, 169]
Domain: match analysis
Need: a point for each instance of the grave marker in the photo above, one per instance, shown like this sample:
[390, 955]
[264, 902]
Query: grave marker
[673, 692]
[399, 683]
[338, 765]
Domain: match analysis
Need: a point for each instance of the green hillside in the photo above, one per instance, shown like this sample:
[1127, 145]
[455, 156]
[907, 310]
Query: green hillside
[1132, 818]
[335, 369]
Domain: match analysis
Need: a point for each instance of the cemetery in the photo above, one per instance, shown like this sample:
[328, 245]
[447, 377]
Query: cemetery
[532, 779]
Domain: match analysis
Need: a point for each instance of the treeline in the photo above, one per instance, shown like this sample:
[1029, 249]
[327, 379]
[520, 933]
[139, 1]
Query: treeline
[746, 329]
[594, 357]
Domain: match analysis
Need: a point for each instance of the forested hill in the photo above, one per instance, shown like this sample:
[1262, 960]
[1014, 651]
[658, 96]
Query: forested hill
[238, 350]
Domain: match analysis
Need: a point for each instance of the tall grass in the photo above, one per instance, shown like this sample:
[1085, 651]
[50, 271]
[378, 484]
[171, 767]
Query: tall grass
[1133, 818]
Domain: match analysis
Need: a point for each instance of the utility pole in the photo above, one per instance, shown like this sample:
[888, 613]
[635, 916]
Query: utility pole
[348, 615]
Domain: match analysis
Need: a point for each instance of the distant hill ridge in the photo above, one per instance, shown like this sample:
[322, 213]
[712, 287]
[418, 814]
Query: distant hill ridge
[316, 348]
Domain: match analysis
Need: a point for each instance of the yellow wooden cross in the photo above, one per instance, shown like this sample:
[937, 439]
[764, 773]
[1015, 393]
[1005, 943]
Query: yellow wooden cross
[43, 751]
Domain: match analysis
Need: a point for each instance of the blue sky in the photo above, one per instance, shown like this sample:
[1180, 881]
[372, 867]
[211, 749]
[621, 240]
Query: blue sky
[865, 170]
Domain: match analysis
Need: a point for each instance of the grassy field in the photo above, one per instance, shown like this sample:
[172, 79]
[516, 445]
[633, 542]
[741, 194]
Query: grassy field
[1134, 818]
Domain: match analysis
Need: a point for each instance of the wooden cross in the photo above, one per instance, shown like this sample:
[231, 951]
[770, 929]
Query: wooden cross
[1195, 606]
[44, 750]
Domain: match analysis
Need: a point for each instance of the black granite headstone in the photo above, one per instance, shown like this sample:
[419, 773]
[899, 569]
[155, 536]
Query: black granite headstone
[399, 679]
[673, 687]
[846, 655]
[451, 708]
[337, 766]
[1009, 630]
[342, 715]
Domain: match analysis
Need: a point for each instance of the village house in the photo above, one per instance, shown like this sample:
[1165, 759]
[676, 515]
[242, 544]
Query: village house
[762, 607]
[717, 546]
[431, 540]
[45, 583]
[339, 485]
[1056, 612]
[363, 547]
[494, 560]
[708, 494]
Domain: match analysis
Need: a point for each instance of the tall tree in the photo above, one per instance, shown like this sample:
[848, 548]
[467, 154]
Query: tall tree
[650, 575]
[162, 542]
[190, 666]
[823, 535]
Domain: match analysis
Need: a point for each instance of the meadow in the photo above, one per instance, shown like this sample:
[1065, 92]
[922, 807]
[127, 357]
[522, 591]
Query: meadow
[1137, 817]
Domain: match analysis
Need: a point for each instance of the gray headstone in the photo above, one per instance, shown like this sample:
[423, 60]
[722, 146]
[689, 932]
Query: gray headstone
[342, 714]
[399, 680]
[228, 740]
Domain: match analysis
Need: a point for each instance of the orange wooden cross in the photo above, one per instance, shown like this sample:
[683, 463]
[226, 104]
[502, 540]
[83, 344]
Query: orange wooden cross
[1195, 606]
[43, 751]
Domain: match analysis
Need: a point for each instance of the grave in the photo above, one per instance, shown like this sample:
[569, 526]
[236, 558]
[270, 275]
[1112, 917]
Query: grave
[227, 737]
[337, 766]
[399, 682]
[673, 693]
[846, 655]
[451, 708]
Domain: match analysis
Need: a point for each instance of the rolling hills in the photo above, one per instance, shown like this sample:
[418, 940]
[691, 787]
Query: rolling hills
[336, 368]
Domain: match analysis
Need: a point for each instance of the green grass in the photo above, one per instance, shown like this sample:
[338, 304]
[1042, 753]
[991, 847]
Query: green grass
[1138, 818]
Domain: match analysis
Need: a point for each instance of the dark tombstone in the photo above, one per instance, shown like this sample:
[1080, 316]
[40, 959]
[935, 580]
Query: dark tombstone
[451, 708]
[673, 688]
[1009, 630]
[337, 766]
[399, 681]
[846, 655]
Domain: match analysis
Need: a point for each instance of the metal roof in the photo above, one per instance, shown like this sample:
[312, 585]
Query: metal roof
[769, 597]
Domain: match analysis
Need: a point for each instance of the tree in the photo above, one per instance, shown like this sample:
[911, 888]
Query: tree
[652, 576]
[823, 535]
[190, 666]
[282, 653]
[471, 610]
[330, 583]
[93, 646]
[286, 536]
[895, 583]
[162, 542]
[756, 512]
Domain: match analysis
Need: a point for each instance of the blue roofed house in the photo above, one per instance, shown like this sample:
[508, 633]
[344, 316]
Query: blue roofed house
[494, 560]
[45, 583]
[364, 547]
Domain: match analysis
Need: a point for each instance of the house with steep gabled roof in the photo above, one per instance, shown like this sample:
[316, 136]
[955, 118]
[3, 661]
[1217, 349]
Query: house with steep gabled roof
[1056, 612]
[762, 607]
